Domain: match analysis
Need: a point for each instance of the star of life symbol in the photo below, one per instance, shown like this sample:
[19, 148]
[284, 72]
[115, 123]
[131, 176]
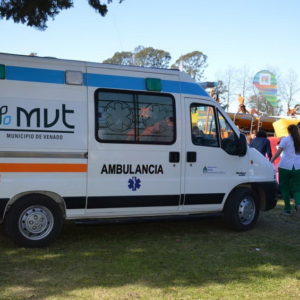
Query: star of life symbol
[134, 183]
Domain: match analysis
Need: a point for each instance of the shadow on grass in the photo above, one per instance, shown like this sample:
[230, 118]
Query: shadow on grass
[160, 254]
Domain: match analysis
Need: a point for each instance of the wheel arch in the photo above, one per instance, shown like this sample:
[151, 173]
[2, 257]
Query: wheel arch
[258, 189]
[51, 195]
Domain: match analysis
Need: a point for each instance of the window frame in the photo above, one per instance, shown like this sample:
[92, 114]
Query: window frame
[216, 123]
[235, 133]
[219, 112]
[135, 94]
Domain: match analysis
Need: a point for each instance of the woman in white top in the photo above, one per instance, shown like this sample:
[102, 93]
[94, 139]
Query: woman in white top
[289, 168]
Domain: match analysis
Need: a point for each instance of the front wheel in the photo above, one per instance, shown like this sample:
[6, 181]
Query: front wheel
[241, 209]
[34, 221]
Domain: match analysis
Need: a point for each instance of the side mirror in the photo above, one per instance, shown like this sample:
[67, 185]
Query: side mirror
[242, 145]
[231, 144]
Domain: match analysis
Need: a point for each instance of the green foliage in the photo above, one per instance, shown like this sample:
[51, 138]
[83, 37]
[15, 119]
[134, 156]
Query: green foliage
[262, 105]
[121, 58]
[193, 63]
[36, 13]
[219, 94]
[150, 57]
[144, 57]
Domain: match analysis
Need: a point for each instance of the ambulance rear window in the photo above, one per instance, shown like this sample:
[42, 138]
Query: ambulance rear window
[135, 117]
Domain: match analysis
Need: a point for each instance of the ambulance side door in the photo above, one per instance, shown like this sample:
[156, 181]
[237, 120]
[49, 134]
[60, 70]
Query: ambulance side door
[134, 153]
[213, 167]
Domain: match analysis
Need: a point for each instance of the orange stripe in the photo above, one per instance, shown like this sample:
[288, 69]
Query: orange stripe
[15, 167]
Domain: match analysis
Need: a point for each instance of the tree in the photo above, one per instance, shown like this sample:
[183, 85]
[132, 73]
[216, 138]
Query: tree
[36, 13]
[218, 93]
[260, 104]
[228, 79]
[150, 57]
[244, 79]
[290, 89]
[193, 63]
[144, 57]
[121, 58]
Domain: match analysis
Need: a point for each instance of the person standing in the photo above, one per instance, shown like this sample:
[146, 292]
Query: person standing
[242, 108]
[289, 169]
[262, 144]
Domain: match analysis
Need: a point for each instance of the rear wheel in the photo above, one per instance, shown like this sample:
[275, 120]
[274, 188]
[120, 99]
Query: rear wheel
[242, 209]
[34, 221]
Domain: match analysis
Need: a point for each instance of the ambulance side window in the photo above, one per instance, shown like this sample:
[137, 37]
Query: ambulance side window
[135, 117]
[229, 139]
[204, 125]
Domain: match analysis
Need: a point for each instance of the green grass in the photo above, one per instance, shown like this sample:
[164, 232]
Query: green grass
[192, 259]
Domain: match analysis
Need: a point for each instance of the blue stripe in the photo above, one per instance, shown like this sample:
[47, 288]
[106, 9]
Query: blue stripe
[120, 82]
[100, 80]
[193, 89]
[35, 75]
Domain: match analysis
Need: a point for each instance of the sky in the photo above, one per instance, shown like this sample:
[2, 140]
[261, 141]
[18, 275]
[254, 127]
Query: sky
[255, 34]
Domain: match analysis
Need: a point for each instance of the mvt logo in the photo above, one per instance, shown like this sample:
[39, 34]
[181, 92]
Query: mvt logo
[4, 120]
[34, 118]
[134, 183]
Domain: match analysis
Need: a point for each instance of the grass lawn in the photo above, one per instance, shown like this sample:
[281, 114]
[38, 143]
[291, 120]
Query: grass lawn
[190, 259]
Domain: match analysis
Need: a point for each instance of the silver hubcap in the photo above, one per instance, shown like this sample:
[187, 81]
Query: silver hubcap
[36, 222]
[247, 210]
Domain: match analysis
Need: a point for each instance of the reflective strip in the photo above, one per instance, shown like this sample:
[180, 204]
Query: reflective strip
[101, 80]
[43, 154]
[35, 75]
[135, 83]
[27, 167]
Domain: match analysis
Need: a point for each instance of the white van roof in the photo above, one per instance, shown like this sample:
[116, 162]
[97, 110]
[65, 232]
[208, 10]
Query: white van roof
[37, 69]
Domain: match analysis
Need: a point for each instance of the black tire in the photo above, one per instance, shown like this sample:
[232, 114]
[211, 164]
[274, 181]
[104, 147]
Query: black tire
[34, 221]
[241, 209]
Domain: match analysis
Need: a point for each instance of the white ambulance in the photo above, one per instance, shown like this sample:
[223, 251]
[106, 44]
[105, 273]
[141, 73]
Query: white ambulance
[82, 140]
